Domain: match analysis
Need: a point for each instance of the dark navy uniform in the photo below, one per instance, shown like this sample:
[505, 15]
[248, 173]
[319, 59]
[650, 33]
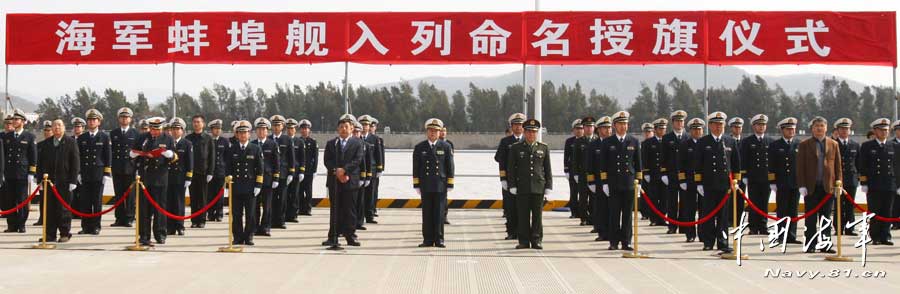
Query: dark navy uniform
[876, 172]
[717, 163]
[154, 172]
[378, 167]
[581, 160]
[286, 166]
[204, 156]
[366, 176]
[433, 176]
[783, 174]
[653, 161]
[216, 213]
[244, 163]
[849, 154]
[123, 172]
[671, 143]
[20, 154]
[508, 201]
[689, 198]
[292, 209]
[568, 150]
[180, 171]
[312, 166]
[271, 159]
[755, 170]
[620, 166]
[599, 201]
[96, 160]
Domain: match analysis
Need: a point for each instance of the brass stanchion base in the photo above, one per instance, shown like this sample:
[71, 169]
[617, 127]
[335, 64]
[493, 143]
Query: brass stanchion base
[838, 258]
[231, 249]
[43, 246]
[732, 256]
[635, 255]
[137, 248]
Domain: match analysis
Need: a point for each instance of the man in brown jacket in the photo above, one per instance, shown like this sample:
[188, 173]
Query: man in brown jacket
[818, 167]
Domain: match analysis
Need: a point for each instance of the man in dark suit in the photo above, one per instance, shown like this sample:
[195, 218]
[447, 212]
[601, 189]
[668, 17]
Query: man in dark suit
[180, 175]
[620, 167]
[687, 167]
[271, 175]
[654, 169]
[154, 151]
[754, 152]
[221, 144]
[877, 179]
[377, 161]
[671, 143]
[849, 155]
[286, 168]
[599, 200]
[509, 203]
[818, 167]
[61, 163]
[204, 161]
[343, 159]
[432, 179]
[121, 140]
[244, 163]
[783, 175]
[312, 166]
[718, 162]
[569, 149]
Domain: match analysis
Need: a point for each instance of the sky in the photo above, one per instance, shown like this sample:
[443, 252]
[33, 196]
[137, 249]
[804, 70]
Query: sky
[39, 81]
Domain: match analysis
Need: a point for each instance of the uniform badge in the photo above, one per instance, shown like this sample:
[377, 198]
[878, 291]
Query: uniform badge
[540, 152]
[630, 148]
[250, 156]
[439, 152]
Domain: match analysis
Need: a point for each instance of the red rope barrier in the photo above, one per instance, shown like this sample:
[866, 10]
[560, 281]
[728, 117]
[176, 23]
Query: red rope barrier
[20, 205]
[89, 215]
[681, 223]
[794, 219]
[179, 217]
[878, 217]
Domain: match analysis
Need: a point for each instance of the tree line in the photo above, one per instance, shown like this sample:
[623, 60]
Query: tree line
[403, 107]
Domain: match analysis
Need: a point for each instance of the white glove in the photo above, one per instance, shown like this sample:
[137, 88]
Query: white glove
[361, 184]
[773, 187]
[665, 180]
[512, 190]
[898, 191]
[503, 184]
[31, 179]
[419, 191]
[593, 188]
[300, 177]
[290, 179]
[745, 181]
[132, 154]
[864, 188]
[378, 174]
[803, 191]
[187, 184]
[449, 190]
[107, 179]
[567, 175]
[700, 190]
[274, 184]
[256, 191]
[647, 178]
[72, 187]
[576, 179]
[683, 186]
[546, 191]
[78, 179]
[606, 189]
[366, 183]
[209, 178]
[168, 154]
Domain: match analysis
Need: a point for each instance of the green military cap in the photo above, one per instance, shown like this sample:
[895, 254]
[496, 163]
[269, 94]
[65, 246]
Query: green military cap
[532, 124]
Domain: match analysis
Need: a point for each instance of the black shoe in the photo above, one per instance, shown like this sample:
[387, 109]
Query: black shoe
[146, 243]
[612, 247]
[353, 242]
[689, 240]
[371, 221]
[267, 234]
[64, 239]
[328, 243]
[22, 230]
[426, 245]
[194, 226]
[283, 227]
[128, 225]
[850, 233]
[116, 224]
[440, 245]
[600, 239]
[201, 225]
[707, 248]
[249, 243]
[179, 232]
[94, 232]
[582, 223]
[10, 230]
[170, 232]
[572, 216]
[38, 224]
[876, 242]
[672, 231]
[811, 250]
[374, 214]
[522, 246]
[308, 213]
[446, 222]
[293, 220]
[161, 241]
[237, 242]
[48, 240]
[82, 232]
[594, 231]
[627, 248]
[361, 228]
[888, 243]
[726, 250]
[829, 250]
[537, 246]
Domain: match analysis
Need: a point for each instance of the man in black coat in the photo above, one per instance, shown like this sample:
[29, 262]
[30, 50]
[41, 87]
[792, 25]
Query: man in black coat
[877, 179]
[204, 161]
[849, 154]
[216, 213]
[61, 163]
[569, 150]
[783, 175]
[717, 163]
[509, 204]
[344, 160]
[154, 151]
[96, 158]
[671, 144]
[271, 175]
[432, 179]
[620, 167]
[244, 163]
[755, 171]
[312, 166]
[121, 140]
[298, 145]
[20, 154]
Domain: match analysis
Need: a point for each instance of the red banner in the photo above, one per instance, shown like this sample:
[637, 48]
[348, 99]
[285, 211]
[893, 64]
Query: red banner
[712, 37]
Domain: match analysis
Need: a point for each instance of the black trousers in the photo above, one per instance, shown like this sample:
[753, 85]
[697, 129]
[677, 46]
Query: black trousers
[199, 197]
[243, 216]
[584, 200]
[279, 202]
[573, 197]
[786, 204]
[125, 212]
[369, 211]
[58, 217]
[175, 203]
[530, 209]
[759, 195]
[433, 205]
[377, 184]
[343, 216]
[509, 209]
[360, 207]
[16, 191]
[880, 203]
[212, 189]
[687, 211]
[621, 208]
[292, 202]
[306, 194]
[848, 214]
[672, 191]
[149, 214]
[714, 231]
[91, 197]
[658, 193]
[264, 209]
[600, 214]
[811, 222]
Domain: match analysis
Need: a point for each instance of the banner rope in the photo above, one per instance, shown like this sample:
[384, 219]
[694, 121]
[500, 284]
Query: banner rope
[179, 217]
[88, 215]
[860, 208]
[20, 205]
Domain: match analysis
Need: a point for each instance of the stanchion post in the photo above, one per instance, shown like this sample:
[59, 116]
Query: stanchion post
[838, 193]
[634, 227]
[734, 222]
[44, 244]
[231, 248]
[137, 217]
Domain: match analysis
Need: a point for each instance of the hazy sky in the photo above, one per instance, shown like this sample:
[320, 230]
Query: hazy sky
[41, 81]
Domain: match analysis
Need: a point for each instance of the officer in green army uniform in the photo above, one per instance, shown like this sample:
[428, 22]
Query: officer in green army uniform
[529, 178]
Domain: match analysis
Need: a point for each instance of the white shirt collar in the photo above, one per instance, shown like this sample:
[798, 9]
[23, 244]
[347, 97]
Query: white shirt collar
[881, 142]
[125, 129]
[261, 141]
